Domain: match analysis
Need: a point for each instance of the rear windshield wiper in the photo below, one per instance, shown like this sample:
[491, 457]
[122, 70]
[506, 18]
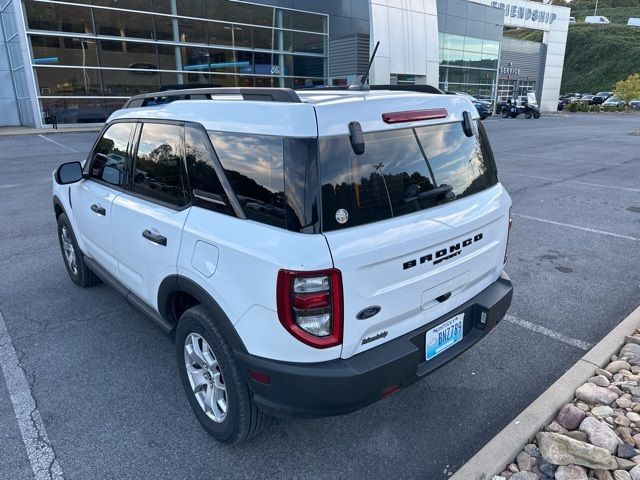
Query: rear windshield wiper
[434, 192]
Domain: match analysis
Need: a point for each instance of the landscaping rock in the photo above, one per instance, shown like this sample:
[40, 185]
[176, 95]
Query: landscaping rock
[595, 395]
[626, 451]
[631, 352]
[525, 461]
[571, 472]
[546, 468]
[617, 365]
[562, 450]
[570, 416]
[621, 475]
[633, 417]
[624, 401]
[555, 427]
[600, 371]
[524, 476]
[635, 473]
[603, 474]
[498, 477]
[600, 380]
[599, 434]
[578, 435]
[602, 411]
[625, 464]
[532, 450]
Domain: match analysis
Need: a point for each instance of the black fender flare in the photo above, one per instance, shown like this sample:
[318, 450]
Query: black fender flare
[57, 203]
[179, 283]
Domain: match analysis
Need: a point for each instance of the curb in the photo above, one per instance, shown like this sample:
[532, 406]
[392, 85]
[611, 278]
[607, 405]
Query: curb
[6, 131]
[503, 448]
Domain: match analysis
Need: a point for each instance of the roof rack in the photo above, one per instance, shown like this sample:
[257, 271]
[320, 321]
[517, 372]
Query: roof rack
[256, 94]
[409, 88]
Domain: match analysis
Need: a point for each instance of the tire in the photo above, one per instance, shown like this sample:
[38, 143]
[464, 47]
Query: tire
[505, 114]
[536, 115]
[528, 115]
[73, 257]
[240, 420]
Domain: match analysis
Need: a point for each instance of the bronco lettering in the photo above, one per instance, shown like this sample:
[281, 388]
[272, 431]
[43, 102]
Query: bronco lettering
[444, 253]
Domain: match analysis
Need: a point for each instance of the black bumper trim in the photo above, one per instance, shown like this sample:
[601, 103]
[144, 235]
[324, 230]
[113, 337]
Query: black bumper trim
[345, 385]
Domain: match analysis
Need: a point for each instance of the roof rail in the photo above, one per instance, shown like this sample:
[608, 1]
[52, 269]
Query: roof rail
[406, 88]
[258, 94]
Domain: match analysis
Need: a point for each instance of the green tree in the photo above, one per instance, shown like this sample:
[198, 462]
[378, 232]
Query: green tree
[628, 89]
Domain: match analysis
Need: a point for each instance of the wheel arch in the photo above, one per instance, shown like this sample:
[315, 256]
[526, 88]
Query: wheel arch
[178, 287]
[58, 207]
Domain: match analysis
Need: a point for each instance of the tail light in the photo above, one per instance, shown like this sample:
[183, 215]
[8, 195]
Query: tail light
[310, 306]
[414, 115]
[506, 248]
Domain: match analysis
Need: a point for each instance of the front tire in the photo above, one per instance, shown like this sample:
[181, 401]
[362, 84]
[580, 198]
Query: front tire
[213, 383]
[528, 115]
[536, 115]
[77, 269]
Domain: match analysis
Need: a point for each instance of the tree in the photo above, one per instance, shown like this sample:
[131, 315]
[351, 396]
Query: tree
[628, 89]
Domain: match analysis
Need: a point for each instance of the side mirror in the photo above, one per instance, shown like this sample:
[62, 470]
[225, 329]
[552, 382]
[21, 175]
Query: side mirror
[69, 173]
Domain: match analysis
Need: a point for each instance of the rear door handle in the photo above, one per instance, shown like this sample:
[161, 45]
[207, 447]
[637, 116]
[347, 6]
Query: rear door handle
[155, 238]
[98, 209]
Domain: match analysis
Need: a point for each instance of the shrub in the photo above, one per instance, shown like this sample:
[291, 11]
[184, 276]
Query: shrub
[572, 107]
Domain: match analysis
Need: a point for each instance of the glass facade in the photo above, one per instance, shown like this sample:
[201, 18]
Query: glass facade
[468, 64]
[89, 58]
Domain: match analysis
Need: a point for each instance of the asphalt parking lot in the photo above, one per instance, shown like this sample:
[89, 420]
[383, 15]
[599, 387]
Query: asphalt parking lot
[105, 382]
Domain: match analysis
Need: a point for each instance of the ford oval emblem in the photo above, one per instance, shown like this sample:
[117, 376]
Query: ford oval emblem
[368, 312]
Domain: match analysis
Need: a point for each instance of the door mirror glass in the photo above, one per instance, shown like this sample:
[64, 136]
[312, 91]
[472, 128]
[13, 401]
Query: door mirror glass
[69, 173]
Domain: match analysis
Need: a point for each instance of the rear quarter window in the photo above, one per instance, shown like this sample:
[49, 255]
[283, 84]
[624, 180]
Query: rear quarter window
[399, 172]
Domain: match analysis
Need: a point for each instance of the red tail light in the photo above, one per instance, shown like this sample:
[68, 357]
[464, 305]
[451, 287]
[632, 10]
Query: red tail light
[414, 115]
[506, 248]
[310, 306]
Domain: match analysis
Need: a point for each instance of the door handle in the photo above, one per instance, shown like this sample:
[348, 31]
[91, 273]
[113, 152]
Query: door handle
[98, 209]
[155, 238]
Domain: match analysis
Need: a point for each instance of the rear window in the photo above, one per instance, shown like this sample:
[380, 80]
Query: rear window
[401, 172]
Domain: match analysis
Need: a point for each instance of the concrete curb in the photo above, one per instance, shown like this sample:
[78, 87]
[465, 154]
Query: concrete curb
[504, 447]
[47, 131]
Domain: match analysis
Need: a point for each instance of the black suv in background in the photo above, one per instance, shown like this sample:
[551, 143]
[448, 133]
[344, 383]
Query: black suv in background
[600, 98]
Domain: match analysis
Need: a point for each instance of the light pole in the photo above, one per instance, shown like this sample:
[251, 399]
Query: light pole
[233, 29]
[85, 76]
[595, 11]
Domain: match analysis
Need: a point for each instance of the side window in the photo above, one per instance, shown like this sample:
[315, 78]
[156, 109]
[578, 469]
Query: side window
[255, 168]
[110, 155]
[158, 166]
[205, 184]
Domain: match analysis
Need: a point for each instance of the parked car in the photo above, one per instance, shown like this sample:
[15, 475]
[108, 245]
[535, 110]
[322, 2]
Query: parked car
[633, 22]
[635, 104]
[379, 258]
[585, 99]
[485, 109]
[597, 19]
[566, 99]
[572, 19]
[600, 98]
[614, 102]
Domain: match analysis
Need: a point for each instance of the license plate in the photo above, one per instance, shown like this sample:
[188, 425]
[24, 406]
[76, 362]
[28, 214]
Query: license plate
[439, 338]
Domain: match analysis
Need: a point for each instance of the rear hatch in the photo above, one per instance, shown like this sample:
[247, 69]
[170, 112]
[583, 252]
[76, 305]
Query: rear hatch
[417, 224]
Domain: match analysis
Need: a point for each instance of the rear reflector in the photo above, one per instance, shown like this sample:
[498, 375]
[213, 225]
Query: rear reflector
[414, 115]
[260, 377]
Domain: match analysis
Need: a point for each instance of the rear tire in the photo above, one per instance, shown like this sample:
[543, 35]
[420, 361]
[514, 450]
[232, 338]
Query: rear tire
[528, 115]
[213, 383]
[77, 269]
[536, 115]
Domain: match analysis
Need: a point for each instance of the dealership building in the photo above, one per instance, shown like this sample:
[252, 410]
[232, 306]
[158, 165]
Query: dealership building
[77, 61]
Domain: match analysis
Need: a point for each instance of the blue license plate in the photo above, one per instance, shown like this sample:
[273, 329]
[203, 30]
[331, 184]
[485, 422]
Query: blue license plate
[448, 333]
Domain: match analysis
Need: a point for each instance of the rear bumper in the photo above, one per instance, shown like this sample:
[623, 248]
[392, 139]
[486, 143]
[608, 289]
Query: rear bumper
[344, 385]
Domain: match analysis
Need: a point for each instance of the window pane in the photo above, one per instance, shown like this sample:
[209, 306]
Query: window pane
[303, 21]
[254, 166]
[127, 82]
[80, 110]
[308, 43]
[144, 5]
[393, 177]
[453, 42]
[68, 81]
[202, 174]
[158, 172]
[164, 28]
[229, 11]
[128, 55]
[63, 51]
[57, 17]
[473, 44]
[192, 31]
[491, 47]
[191, 8]
[110, 155]
[114, 23]
[264, 38]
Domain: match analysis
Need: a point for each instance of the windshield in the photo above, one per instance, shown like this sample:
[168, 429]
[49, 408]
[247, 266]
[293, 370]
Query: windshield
[401, 172]
[602, 94]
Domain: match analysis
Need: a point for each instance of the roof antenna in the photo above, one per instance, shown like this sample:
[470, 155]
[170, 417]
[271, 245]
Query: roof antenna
[361, 82]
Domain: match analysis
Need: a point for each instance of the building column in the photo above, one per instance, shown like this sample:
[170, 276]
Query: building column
[556, 42]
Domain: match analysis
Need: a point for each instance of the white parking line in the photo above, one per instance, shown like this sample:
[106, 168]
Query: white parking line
[574, 342]
[58, 143]
[576, 227]
[628, 189]
[42, 458]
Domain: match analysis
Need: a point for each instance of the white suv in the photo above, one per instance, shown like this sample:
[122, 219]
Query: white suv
[310, 253]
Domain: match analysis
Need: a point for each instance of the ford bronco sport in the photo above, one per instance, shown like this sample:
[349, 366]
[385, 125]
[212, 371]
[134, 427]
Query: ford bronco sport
[310, 253]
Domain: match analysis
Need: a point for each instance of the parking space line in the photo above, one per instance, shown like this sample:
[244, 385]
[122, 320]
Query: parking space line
[576, 227]
[42, 458]
[574, 342]
[58, 143]
[628, 189]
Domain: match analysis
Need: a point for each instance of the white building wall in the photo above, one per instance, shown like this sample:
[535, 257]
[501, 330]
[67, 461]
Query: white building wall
[408, 34]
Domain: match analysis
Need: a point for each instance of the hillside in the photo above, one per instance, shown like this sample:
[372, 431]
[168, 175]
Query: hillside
[617, 11]
[597, 55]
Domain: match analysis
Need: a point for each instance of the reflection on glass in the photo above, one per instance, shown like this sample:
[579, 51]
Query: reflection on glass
[58, 17]
[68, 81]
[110, 155]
